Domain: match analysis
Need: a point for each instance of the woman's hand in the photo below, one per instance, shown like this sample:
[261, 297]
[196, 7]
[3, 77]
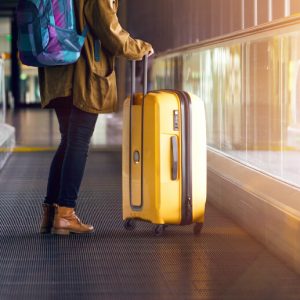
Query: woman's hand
[151, 52]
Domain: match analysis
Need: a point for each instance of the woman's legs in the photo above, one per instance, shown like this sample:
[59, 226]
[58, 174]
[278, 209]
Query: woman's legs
[80, 130]
[68, 164]
[53, 187]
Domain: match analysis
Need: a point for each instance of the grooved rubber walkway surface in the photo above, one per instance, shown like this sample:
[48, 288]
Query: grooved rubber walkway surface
[224, 263]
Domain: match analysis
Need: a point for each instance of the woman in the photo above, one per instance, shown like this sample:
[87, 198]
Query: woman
[78, 93]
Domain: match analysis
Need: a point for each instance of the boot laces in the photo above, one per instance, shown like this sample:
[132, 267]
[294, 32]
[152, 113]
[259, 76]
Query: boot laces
[76, 218]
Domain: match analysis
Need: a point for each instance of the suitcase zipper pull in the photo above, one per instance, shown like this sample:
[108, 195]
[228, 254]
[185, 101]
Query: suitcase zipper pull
[188, 208]
[189, 201]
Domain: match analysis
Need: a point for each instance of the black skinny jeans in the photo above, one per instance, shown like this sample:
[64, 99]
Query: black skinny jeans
[67, 167]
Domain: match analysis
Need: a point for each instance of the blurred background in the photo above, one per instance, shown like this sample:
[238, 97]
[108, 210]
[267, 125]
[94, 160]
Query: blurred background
[250, 84]
[242, 58]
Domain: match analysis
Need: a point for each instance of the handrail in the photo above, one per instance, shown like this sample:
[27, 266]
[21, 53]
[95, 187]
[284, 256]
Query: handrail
[2, 91]
[240, 34]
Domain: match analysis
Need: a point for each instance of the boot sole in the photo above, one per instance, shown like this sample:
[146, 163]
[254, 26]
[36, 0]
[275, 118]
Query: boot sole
[68, 232]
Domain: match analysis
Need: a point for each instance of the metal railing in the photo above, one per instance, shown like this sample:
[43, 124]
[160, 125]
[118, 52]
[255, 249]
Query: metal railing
[240, 35]
[2, 93]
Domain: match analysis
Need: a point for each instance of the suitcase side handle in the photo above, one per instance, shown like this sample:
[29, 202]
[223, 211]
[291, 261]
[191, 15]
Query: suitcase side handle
[174, 149]
[133, 75]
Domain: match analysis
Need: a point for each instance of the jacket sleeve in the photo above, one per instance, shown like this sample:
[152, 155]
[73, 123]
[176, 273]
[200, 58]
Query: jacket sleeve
[101, 17]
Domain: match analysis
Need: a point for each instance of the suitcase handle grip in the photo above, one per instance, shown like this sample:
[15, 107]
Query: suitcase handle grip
[174, 149]
[133, 74]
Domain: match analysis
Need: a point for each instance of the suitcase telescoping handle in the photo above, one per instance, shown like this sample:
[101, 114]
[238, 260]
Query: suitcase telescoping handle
[136, 157]
[145, 79]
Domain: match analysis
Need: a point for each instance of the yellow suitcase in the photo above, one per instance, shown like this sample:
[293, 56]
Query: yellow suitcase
[163, 158]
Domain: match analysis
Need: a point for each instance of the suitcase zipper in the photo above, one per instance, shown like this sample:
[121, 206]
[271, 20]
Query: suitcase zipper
[189, 198]
[186, 129]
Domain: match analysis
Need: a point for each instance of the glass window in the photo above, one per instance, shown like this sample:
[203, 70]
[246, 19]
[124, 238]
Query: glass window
[290, 115]
[251, 91]
[264, 105]
[29, 86]
[167, 73]
[158, 74]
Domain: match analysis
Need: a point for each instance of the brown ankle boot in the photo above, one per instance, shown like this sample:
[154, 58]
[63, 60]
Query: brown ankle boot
[48, 217]
[66, 222]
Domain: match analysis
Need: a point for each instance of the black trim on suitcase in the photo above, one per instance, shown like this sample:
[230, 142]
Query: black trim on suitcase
[183, 157]
[186, 163]
[189, 199]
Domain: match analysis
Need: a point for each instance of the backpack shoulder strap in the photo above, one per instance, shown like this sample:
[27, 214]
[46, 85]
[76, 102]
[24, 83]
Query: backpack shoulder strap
[85, 30]
[48, 11]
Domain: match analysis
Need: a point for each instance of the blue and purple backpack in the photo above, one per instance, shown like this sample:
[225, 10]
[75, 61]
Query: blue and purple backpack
[47, 34]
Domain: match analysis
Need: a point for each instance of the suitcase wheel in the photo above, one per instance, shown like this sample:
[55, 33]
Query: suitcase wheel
[159, 230]
[129, 224]
[198, 228]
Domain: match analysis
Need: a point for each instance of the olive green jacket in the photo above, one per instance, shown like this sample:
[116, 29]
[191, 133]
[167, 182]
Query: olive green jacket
[91, 81]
